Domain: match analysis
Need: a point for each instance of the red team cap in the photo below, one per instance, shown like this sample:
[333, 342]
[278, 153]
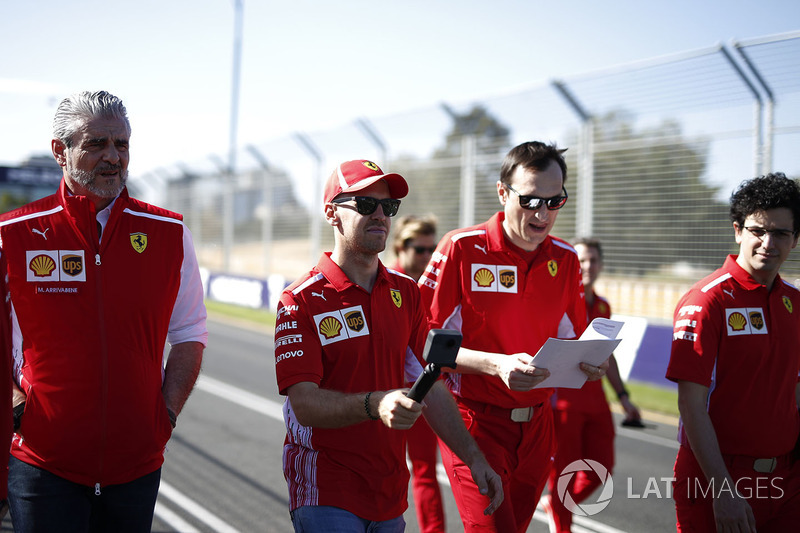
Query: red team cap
[356, 175]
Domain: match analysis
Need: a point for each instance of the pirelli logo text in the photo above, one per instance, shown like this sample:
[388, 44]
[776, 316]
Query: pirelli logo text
[493, 278]
[342, 324]
[55, 265]
[745, 321]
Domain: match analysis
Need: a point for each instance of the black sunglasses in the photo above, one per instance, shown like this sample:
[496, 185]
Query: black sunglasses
[534, 202]
[366, 205]
[419, 250]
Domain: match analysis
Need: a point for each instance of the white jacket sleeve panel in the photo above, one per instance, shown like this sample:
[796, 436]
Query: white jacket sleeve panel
[188, 320]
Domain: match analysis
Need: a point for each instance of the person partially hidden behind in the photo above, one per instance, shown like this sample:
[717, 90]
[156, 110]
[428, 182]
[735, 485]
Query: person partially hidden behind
[414, 243]
[582, 418]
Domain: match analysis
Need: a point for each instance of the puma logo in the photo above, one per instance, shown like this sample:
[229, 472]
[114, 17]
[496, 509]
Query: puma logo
[729, 293]
[320, 294]
[42, 233]
[481, 248]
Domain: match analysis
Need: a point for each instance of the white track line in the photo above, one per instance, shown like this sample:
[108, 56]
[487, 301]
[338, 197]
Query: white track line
[195, 509]
[241, 397]
[173, 520]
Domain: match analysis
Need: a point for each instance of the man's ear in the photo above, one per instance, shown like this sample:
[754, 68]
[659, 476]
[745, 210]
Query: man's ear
[331, 217]
[737, 232]
[502, 193]
[59, 152]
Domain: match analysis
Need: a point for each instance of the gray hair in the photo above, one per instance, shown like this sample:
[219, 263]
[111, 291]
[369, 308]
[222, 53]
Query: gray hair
[74, 111]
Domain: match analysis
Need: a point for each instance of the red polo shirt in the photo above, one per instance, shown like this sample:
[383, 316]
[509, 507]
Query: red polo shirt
[332, 332]
[743, 342]
[479, 285]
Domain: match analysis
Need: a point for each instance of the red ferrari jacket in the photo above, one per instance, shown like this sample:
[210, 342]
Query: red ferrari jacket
[5, 390]
[89, 324]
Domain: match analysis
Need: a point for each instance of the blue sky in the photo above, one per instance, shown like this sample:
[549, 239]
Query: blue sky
[310, 65]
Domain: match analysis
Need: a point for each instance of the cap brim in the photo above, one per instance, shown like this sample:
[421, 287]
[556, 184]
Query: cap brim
[398, 187]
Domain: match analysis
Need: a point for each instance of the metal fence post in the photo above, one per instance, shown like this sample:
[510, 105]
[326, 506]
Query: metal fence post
[316, 155]
[584, 216]
[266, 220]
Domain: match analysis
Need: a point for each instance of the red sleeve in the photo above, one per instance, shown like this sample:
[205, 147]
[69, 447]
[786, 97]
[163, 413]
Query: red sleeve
[576, 312]
[5, 377]
[440, 285]
[298, 353]
[695, 339]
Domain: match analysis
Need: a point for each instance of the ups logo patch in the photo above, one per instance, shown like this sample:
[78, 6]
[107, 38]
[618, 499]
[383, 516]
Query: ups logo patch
[507, 278]
[72, 265]
[354, 320]
[756, 319]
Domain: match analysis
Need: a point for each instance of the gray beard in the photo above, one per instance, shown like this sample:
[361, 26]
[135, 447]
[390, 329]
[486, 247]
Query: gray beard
[89, 181]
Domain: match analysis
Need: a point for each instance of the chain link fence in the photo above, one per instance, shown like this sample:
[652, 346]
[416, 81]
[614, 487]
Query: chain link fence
[655, 149]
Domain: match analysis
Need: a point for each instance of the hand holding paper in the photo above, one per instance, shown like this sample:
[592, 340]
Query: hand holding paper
[563, 357]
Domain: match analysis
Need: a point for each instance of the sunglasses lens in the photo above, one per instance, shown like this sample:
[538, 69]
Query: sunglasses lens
[556, 202]
[531, 202]
[366, 205]
[390, 206]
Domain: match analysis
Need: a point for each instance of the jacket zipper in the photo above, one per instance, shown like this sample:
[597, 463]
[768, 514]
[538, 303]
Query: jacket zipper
[104, 355]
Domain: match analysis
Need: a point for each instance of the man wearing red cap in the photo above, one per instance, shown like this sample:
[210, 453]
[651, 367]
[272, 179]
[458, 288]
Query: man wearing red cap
[348, 336]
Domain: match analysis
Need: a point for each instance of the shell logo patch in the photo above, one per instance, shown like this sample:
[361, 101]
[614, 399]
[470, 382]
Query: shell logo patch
[55, 265]
[552, 267]
[745, 321]
[330, 325]
[737, 321]
[483, 277]
[787, 303]
[72, 265]
[493, 278]
[397, 298]
[508, 278]
[42, 265]
[372, 166]
[139, 241]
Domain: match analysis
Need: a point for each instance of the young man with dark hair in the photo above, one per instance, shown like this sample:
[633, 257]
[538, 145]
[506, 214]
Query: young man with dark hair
[736, 359]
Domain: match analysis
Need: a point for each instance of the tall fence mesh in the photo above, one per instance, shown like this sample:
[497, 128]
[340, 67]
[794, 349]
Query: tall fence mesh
[655, 149]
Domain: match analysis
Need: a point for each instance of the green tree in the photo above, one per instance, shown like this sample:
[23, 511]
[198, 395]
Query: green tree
[435, 185]
[653, 210]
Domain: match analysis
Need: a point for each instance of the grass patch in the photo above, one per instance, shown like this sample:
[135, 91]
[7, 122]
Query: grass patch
[644, 396]
[256, 316]
[648, 397]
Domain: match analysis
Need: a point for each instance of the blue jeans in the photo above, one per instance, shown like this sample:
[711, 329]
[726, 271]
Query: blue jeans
[44, 502]
[325, 519]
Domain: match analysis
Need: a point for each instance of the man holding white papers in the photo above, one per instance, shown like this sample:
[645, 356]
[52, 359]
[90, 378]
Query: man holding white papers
[507, 286]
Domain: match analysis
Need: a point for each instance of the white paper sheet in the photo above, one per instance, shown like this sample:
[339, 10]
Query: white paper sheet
[563, 357]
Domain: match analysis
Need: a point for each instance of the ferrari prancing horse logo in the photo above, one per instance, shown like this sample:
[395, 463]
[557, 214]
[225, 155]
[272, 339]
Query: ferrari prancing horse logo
[397, 298]
[139, 241]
